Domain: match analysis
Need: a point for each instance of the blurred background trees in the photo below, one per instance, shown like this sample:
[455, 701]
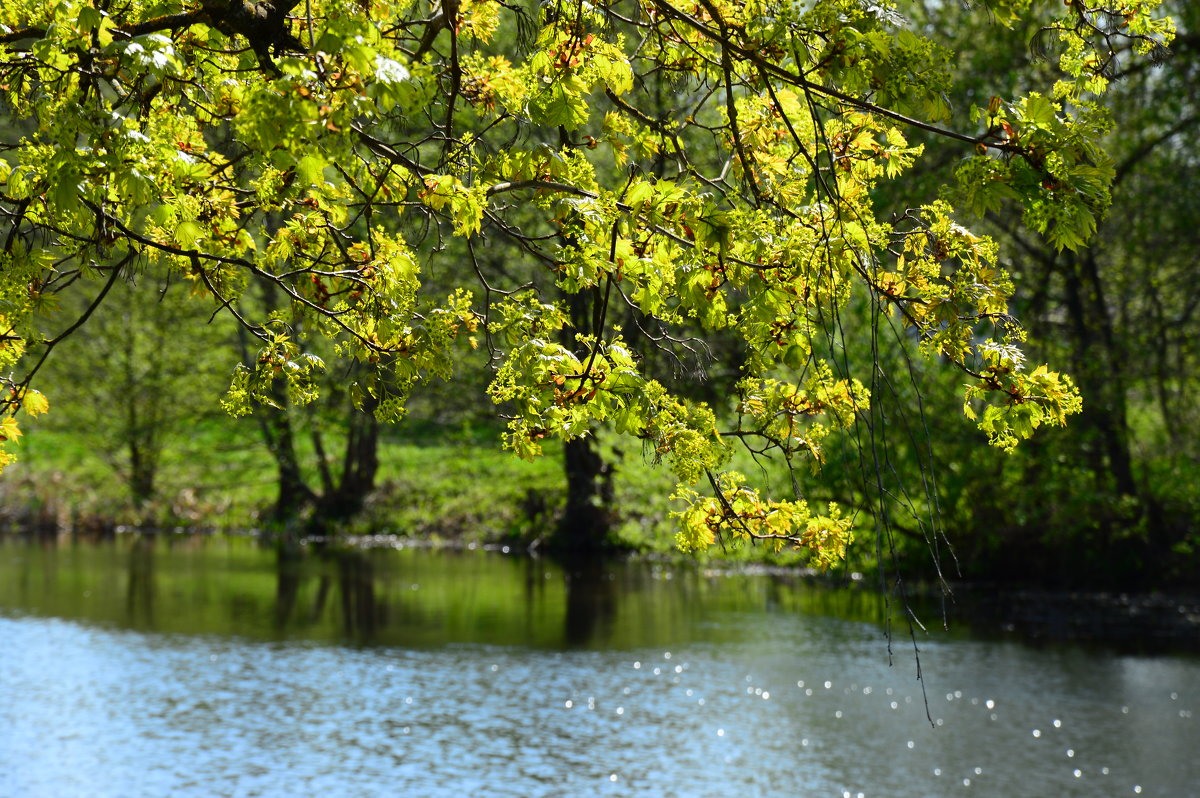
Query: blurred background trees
[1113, 498]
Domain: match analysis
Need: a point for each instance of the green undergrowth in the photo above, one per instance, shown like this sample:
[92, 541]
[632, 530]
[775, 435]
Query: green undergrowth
[435, 483]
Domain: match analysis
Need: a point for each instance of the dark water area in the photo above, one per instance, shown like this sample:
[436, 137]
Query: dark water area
[219, 666]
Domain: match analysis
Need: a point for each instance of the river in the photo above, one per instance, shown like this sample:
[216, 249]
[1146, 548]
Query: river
[210, 666]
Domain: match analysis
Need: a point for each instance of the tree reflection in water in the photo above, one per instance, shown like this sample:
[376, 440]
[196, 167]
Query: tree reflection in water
[139, 596]
[591, 600]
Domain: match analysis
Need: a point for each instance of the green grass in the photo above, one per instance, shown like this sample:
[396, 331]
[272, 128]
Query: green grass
[434, 482]
[220, 476]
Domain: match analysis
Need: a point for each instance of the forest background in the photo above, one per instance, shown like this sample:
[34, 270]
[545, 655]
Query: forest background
[138, 437]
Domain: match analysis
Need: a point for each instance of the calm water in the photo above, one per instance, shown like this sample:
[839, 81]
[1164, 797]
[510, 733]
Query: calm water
[217, 667]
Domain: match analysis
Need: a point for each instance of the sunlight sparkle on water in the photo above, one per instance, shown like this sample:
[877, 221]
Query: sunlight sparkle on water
[459, 734]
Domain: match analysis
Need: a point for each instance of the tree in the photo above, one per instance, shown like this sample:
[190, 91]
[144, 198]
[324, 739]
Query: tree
[709, 165]
[339, 490]
[1121, 316]
[1110, 500]
[133, 385]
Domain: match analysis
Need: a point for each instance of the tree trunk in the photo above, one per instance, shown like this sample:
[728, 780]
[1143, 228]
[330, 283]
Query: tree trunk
[360, 464]
[1100, 371]
[141, 473]
[588, 517]
[294, 493]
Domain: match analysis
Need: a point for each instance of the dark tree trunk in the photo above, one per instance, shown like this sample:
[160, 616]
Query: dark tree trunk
[276, 427]
[360, 463]
[587, 519]
[142, 470]
[294, 493]
[1100, 370]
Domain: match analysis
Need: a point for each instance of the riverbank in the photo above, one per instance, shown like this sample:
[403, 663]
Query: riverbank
[437, 484]
[456, 486]
[450, 487]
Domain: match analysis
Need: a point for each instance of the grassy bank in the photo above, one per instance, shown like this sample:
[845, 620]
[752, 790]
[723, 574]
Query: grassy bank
[433, 483]
[221, 477]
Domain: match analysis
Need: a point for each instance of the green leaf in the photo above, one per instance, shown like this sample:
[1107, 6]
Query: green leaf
[310, 169]
[187, 234]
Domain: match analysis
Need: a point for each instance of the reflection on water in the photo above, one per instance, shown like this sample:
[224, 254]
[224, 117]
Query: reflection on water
[384, 596]
[218, 667]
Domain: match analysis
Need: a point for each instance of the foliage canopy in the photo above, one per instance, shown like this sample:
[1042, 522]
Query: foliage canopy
[652, 171]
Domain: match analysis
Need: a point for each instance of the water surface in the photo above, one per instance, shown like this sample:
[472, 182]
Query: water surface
[215, 666]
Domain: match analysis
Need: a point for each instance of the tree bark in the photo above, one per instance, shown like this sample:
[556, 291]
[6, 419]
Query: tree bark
[1100, 372]
[587, 519]
[360, 464]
